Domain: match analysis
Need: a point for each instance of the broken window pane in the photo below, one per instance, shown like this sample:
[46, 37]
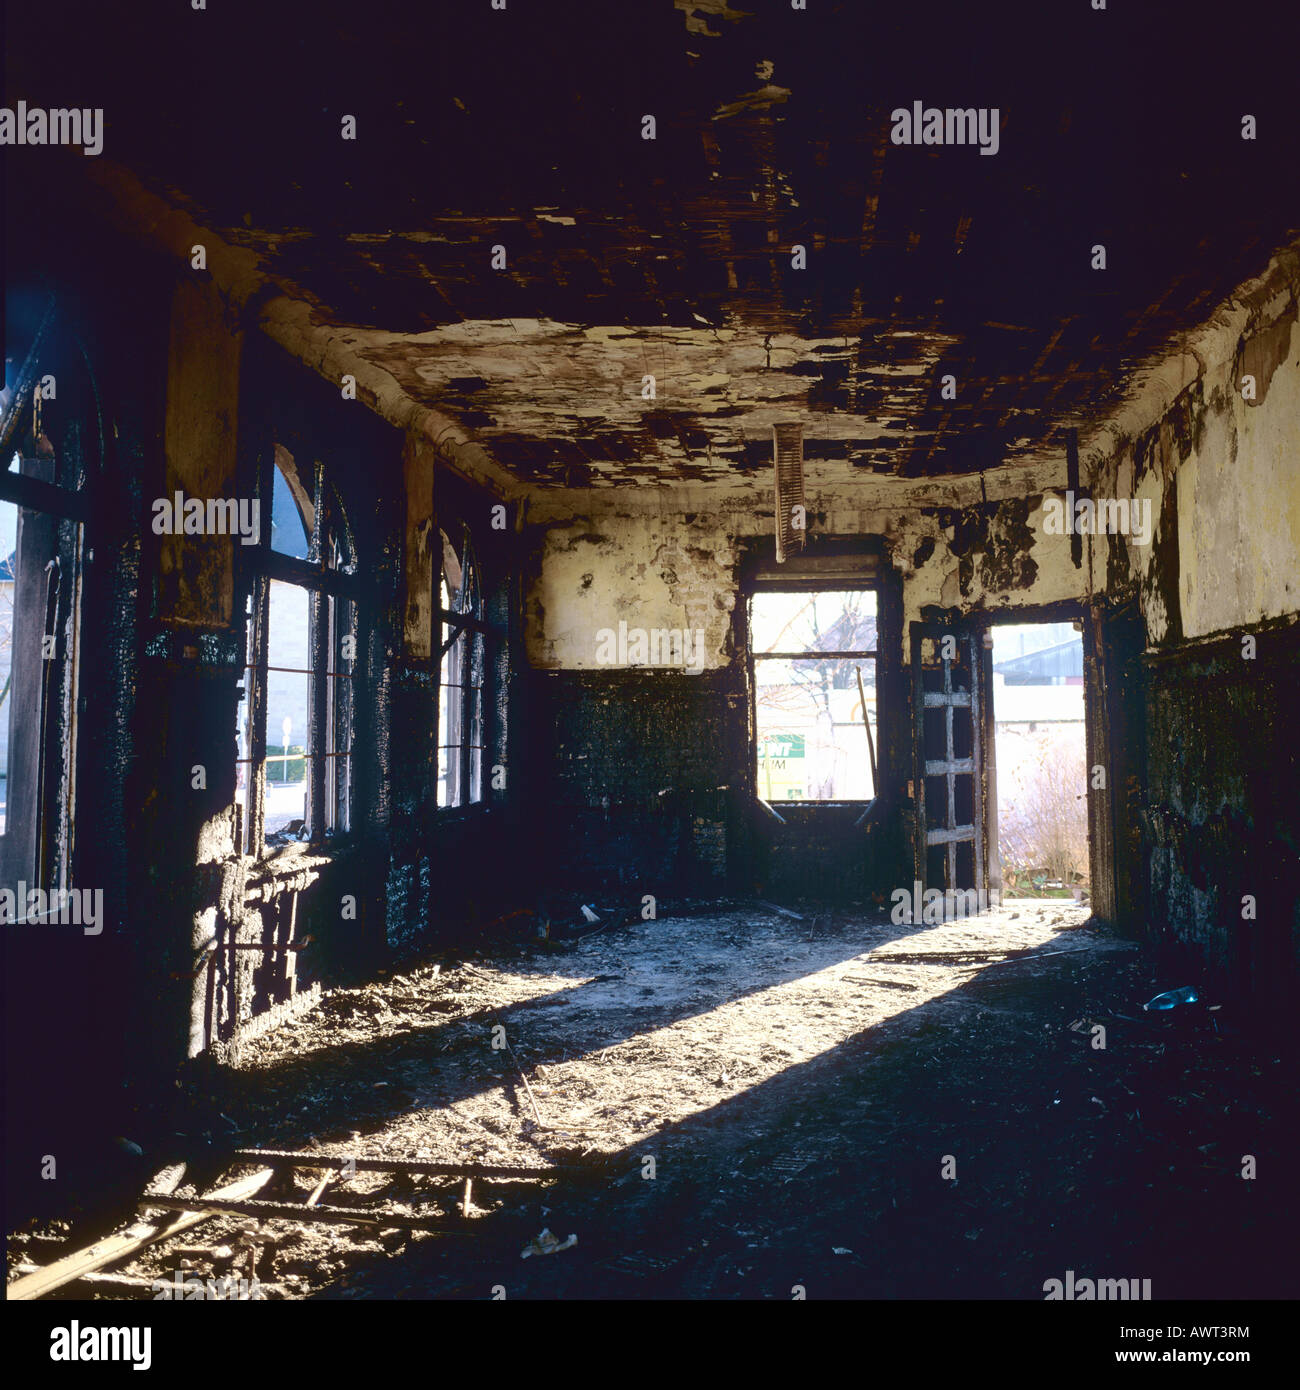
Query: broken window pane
[963, 732]
[475, 731]
[812, 744]
[299, 687]
[451, 719]
[244, 734]
[286, 753]
[934, 724]
[339, 713]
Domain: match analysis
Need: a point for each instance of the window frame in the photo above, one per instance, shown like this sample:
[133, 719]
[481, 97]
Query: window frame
[453, 623]
[329, 575]
[63, 500]
[795, 583]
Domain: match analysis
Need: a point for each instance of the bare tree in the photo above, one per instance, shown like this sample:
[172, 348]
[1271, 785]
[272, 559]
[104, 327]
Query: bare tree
[1044, 828]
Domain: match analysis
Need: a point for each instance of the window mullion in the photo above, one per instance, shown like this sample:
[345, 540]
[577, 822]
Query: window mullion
[456, 623]
[461, 733]
[256, 801]
[466, 723]
[318, 717]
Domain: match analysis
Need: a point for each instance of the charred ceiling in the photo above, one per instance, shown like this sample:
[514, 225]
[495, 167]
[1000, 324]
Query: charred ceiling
[502, 239]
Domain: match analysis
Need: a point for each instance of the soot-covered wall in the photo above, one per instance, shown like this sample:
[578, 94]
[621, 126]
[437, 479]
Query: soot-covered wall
[641, 779]
[1222, 817]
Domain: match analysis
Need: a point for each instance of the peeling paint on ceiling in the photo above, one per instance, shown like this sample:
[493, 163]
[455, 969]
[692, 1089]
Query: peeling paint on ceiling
[769, 254]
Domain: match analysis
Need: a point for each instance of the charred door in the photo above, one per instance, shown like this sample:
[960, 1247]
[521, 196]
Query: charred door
[948, 697]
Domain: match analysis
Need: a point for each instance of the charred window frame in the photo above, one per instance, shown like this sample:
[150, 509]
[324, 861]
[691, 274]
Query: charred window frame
[45, 510]
[318, 575]
[469, 668]
[822, 675]
[831, 564]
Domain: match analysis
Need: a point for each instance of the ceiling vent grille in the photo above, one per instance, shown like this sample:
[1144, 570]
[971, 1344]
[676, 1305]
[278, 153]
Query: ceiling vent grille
[791, 516]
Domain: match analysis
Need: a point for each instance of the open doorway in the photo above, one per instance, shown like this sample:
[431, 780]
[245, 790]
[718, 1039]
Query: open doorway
[1039, 727]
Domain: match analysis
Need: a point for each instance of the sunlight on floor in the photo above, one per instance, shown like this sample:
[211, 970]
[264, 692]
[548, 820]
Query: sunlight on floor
[622, 1086]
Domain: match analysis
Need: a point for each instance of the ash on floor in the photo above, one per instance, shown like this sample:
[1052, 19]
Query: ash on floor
[749, 1104]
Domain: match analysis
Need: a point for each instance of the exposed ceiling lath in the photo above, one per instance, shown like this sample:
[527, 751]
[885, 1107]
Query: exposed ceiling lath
[791, 517]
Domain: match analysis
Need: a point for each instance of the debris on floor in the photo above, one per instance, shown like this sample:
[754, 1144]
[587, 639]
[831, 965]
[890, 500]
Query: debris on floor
[728, 1104]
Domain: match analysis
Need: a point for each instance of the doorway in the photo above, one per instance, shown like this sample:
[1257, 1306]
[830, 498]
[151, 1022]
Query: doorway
[1039, 751]
[1003, 757]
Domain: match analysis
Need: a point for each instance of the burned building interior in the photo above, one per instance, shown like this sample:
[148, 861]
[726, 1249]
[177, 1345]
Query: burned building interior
[511, 519]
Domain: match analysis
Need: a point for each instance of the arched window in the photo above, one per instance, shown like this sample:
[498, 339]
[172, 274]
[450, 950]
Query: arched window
[295, 719]
[463, 676]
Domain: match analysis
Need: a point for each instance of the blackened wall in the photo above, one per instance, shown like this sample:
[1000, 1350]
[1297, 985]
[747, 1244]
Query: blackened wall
[639, 779]
[76, 1006]
[1222, 818]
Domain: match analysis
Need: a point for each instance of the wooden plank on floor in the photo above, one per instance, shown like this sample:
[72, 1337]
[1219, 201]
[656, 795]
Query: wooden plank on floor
[291, 1211]
[123, 1243]
[288, 1158]
[318, 1190]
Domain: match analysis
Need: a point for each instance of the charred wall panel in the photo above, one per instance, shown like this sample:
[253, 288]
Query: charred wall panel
[1116, 726]
[818, 853]
[639, 779]
[1222, 818]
